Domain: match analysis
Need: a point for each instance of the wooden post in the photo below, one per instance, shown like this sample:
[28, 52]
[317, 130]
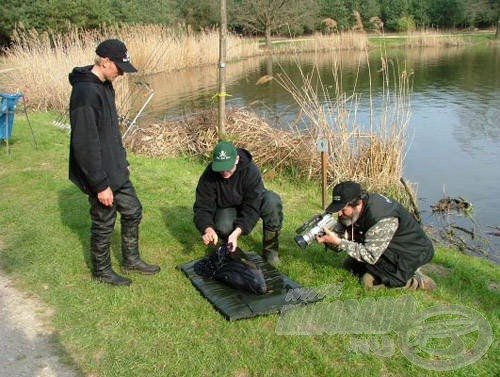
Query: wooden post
[222, 70]
[324, 183]
[322, 147]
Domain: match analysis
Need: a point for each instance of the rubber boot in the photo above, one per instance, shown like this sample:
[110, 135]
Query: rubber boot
[102, 270]
[130, 252]
[270, 245]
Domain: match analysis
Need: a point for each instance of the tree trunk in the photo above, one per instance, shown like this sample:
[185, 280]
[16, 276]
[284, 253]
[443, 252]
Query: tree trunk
[497, 35]
[222, 71]
[268, 38]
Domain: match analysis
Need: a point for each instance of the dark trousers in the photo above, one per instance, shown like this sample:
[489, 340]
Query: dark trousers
[103, 218]
[271, 213]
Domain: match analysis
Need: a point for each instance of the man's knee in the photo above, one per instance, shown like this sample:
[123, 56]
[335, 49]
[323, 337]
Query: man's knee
[224, 227]
[271, 199]
[130, 209]
[272, 210]
[131, 216]
[354, 266]
[224, 221]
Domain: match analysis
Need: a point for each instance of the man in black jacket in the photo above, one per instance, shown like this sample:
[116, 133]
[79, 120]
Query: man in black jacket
[230, 199]
[385, 244]
[98, 163]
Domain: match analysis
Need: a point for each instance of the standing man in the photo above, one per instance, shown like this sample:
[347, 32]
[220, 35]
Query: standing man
[385, 244]
[98, 163]
[230, 199]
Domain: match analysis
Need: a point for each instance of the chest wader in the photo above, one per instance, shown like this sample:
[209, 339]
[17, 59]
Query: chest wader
[270, 245]
[100, 240]
[272, 219]
[130, 251]
[103, 222]
[102, 270]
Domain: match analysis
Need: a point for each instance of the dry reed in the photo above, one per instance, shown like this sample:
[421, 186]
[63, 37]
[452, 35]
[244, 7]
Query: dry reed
[372, 153]
[275, 151]
[347, 41]
[432, 38]
[41, 61]
[374, 161]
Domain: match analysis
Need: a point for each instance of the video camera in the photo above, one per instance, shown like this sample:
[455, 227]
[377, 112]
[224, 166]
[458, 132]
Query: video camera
[313, 227]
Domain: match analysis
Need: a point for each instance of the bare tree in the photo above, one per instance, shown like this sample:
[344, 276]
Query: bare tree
[268, 16]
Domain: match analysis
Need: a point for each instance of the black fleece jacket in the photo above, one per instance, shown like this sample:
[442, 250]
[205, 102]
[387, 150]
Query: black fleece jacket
[97, 158]
[243, 191]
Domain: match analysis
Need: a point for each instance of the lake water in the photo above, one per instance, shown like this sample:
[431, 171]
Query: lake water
[454, 148]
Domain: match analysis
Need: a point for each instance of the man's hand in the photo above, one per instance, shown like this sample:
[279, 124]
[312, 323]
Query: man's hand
[105, 197]
[329, 237]
[210, 236]
[233, 238]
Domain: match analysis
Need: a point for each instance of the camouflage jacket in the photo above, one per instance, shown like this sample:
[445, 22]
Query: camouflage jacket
[377, 238]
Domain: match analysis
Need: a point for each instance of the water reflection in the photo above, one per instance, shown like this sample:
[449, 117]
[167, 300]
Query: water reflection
[453, 147]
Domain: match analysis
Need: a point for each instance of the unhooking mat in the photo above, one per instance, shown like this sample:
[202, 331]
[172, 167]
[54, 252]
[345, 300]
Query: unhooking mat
[235, 304]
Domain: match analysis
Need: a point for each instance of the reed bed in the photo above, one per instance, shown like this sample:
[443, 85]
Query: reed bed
[275, 151]
[347, 41]
[370, 153]
[432, 38]
[41, 61]
[374, 161]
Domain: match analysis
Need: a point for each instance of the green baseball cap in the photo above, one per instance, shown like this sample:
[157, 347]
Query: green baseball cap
[223, 156]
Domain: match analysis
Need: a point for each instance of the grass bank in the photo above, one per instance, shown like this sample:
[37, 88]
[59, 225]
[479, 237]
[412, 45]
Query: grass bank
[161, 326]
[433, 38]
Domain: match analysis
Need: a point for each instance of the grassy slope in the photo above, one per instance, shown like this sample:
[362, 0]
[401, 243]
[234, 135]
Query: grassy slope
[161, 325]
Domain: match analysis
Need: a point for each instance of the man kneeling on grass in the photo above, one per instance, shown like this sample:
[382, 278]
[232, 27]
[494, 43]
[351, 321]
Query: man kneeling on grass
[230, 199]
[385, 244]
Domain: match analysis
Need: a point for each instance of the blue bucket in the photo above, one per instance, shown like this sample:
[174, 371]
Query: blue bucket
[7, 107]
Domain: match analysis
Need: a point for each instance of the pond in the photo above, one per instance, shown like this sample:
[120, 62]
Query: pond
[454, 144]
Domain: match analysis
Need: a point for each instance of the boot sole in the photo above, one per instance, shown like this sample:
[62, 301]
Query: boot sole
[136, 270]
[99, 279]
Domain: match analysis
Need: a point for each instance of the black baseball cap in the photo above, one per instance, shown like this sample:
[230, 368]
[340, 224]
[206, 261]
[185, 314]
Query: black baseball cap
[343, 193]
[115, 50]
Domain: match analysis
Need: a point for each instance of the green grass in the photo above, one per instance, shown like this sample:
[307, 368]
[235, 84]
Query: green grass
[400, 39]
[161, 325]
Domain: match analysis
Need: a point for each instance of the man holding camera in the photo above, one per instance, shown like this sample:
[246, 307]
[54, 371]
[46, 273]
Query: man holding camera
[385, 244]
[230, 199]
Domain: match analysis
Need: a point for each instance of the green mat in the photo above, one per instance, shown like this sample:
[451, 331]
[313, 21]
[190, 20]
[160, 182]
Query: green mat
[235, 304]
